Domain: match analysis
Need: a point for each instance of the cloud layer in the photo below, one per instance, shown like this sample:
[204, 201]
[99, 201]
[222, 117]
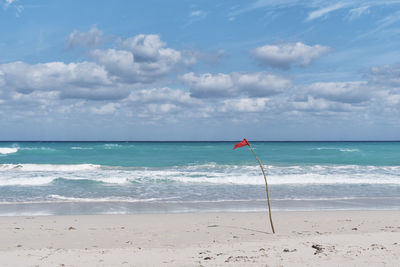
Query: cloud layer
[130, 79]
[144, 80]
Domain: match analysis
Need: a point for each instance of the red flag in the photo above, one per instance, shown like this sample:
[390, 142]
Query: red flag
[240, 144]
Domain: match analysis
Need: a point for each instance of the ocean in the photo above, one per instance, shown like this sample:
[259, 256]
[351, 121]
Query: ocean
[63, 178]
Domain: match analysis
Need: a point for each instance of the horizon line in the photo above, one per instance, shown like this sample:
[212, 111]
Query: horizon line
[194, 141]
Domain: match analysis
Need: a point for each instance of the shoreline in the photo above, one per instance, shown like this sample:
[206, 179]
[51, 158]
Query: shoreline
[203, 213]
[77, 208]
[313, 238]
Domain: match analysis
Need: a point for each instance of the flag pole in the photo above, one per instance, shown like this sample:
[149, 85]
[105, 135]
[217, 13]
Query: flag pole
[266, 188]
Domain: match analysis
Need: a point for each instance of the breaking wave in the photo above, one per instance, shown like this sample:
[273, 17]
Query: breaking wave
[8, 150]
[41, 174]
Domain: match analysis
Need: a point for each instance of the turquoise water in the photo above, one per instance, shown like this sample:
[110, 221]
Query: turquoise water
[160, 154]
[135, 177]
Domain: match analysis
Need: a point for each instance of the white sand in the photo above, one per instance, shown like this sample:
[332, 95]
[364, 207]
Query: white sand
[337, 238]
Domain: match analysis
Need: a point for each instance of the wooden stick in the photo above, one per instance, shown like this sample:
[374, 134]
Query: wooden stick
[266, 189]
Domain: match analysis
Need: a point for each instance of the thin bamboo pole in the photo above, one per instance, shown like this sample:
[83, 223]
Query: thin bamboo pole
[266, 188]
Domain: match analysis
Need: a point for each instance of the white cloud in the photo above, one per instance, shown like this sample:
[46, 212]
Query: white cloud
[325, 10]
[117, 63]
[85, 80]
[345, 92]
[39, 97]
[377, 96]
[106, 109]
[162, 108]
[195, 16]
[387, 75]
[147, 47]
[12, 4]
[209, 85]
[142, 59]
[122, 64]
[355, 13]
[285, 55]
[18, 105]
[8, 3]
[320, 8]
[163, 102]
[318, 105]
[208, 57]
[163, 95]
[2, 81]
[93, 37]
[114, 92]
[391, 99]
[244, 105]
[382, 26]
[113, 75]
[260, 83]
[198, 13]
[24, 77]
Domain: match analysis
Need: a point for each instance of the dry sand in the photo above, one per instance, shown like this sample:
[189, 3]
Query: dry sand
[332, 238]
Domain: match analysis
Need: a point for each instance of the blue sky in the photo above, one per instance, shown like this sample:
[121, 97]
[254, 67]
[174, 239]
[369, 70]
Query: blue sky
[200, 70]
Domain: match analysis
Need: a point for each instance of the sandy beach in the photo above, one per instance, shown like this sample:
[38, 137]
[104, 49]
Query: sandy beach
[329, 238]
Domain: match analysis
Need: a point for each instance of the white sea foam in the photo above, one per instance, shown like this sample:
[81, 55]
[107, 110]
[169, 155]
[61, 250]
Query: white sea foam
[48, 167]
[8, 150]
[176, 200]
[54, 198]
[288, 180]
[111, 146]
[41, 148]
[106, 199]
[349, 150]
[25, 181]
[337, 148]
[39, 174]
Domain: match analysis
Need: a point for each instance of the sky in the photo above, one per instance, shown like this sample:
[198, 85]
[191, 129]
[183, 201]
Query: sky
[200, 70]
